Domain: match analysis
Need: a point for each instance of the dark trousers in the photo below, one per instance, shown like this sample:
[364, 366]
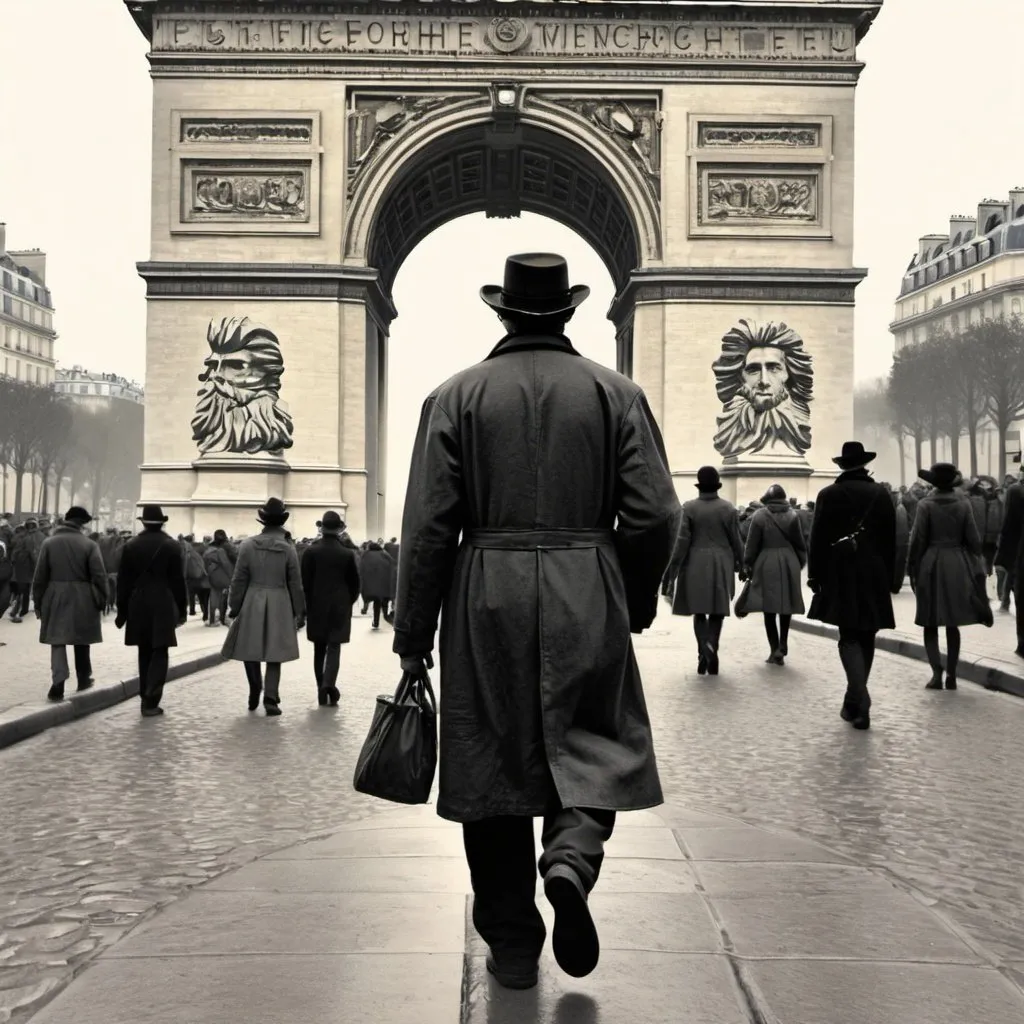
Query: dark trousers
[857, 653]
[216, 604]
[378, 607]
[153, 662]
[203, 595]
[500, 853]
[268, 680]
[60, 670]
[326, 663]
[708, 631]
[777, 632]
[22, 597]
[1016, 587]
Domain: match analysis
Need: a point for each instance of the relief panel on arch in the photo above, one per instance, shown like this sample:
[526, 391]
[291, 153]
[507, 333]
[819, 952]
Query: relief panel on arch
[631, 121]
[376, 119]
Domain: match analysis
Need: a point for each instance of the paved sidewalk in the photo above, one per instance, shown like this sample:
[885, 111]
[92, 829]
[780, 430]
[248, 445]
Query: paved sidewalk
[703, 918]
[25, 674]
[986, 655]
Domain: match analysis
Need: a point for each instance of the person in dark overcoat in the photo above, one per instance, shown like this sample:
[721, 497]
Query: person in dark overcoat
[947, 570]
[394, 550]
[708, 554]
[330, 583]
[1009, 552]
[267, 607]
[553, 471]
[899, 573]
[69, 593]
[24, 555]
[851, 568]
[152, 600]
[375, 568]
[219, 565]
[773, 557]
[988, 517]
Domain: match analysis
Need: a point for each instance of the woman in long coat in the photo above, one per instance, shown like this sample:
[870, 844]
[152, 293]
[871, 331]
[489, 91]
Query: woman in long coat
[707, 556]
[330, 583]
[773, 558]
[375, 568]
[946, 570]
[267, 606]
[69, 592]
[152, 601]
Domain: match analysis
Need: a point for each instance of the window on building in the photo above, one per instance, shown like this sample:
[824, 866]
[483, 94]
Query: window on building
[8, 283]
[952, 293]
[83, 389]
[983, 282]
[1015, 307]
[21, 286]
[38, 375]
[955, 321]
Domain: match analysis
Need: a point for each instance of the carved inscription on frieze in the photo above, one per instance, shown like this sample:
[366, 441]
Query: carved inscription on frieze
[247, 130]
[647, 36]
[771, 136]
[741, 197]
[245, 193]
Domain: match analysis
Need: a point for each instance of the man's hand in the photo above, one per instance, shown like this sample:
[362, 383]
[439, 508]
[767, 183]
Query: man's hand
[417, 664]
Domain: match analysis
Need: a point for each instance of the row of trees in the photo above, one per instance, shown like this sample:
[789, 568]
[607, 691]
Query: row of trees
[69, 447]
[955, 385]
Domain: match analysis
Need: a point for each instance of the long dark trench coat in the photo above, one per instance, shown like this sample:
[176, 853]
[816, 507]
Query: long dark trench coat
[532, 456]
[151, 594]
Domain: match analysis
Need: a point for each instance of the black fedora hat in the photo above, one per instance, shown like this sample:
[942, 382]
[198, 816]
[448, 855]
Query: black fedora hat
[332, 523]
[536, 284]
[152, 515]
[942, 475]
[708, 479]
[77, 514]
[853, 456]
[273, 513]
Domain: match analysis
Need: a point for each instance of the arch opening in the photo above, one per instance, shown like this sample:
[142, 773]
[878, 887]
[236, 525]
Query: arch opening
[503, 174]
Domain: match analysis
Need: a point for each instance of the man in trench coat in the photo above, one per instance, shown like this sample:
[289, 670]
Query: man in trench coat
[69, 591]
[853, 580]
[152, 599]
[553, 471]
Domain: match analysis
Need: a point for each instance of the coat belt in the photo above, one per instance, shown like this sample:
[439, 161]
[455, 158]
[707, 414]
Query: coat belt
[537, 540]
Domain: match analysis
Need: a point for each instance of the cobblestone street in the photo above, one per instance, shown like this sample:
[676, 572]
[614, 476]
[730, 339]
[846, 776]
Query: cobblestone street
[112, 816]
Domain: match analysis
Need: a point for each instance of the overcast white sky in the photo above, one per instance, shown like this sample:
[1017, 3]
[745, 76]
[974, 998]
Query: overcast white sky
[937, 131]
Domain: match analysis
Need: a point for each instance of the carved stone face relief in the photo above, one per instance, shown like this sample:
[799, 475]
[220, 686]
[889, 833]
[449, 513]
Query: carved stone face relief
[238, 408]
[764, 382]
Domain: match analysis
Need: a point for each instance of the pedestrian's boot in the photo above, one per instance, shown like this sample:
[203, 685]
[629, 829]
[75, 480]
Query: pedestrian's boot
[56, 692]
[712, 658]
[574, 940]
[252, 673]
[333, 695]
[321, 696]
[148, 712]
[702, 661]
[936, 680]
[775, 658]
[512, 973]
[86, 684]
[950, 682]
[271, 707]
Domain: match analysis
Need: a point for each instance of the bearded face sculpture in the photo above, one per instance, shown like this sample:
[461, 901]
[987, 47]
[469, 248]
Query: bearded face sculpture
[764, 381]
[239, 409]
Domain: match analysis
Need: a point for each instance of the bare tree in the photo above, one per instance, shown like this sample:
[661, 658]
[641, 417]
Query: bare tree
[51, 445]
[997, 347]
[29, 407]
[913, 412]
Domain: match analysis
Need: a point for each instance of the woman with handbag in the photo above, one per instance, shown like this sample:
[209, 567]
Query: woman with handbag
[946, 570]
[267, 607]
[707, 556]
[773, 559]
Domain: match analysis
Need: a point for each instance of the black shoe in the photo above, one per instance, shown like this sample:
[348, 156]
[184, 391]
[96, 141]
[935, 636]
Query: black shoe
[775, 658]
[862, 722]
[845, 714]
[85, 684]
[334, 694]
[321, 696]
[152, 712]
[574, 940]
[254, 698]
[271, 707]
[935, 683]
[1019, 651]
[950, 682]
[56, 693]
[512, 973]
[702, 663]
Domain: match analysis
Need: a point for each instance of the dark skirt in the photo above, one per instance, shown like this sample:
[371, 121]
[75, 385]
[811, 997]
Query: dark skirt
[706, 583]
[947, 588]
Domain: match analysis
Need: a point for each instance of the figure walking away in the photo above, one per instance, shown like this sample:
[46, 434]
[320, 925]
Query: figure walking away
[69, 593]
[773, 559]
[330, 583]
[267, 606]
[851, 570]
[375, 573]
[152, 600]
[947, 571]
[708, 554]
[553, 470]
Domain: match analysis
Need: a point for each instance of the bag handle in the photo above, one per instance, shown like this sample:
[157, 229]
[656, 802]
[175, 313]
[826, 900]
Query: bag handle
[416, 690]
[863, 519]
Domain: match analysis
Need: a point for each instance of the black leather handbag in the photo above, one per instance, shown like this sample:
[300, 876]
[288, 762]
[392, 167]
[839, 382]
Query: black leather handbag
[399, 757]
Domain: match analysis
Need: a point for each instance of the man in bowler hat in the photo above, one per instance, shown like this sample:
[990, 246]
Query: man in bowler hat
[152, 600]
[552, 471]
[851, 571]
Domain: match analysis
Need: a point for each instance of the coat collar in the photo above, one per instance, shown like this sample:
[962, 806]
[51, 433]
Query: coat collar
[519, 342]
[860, 473]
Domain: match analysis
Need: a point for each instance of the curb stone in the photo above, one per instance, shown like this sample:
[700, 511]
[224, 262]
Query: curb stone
[986, 672]
[19, 724]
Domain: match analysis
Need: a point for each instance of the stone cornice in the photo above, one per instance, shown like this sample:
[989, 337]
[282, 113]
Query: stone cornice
[737, 284]
[322, 282]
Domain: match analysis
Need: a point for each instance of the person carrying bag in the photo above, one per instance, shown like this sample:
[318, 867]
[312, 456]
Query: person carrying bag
[399, 757]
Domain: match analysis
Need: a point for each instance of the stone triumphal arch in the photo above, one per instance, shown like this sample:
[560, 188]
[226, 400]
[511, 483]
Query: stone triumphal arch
[301, 150]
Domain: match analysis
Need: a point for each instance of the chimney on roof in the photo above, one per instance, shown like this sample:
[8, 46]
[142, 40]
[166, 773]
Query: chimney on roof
[959, 225]
[992, 212]
[928, 244]
[1017, 202]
